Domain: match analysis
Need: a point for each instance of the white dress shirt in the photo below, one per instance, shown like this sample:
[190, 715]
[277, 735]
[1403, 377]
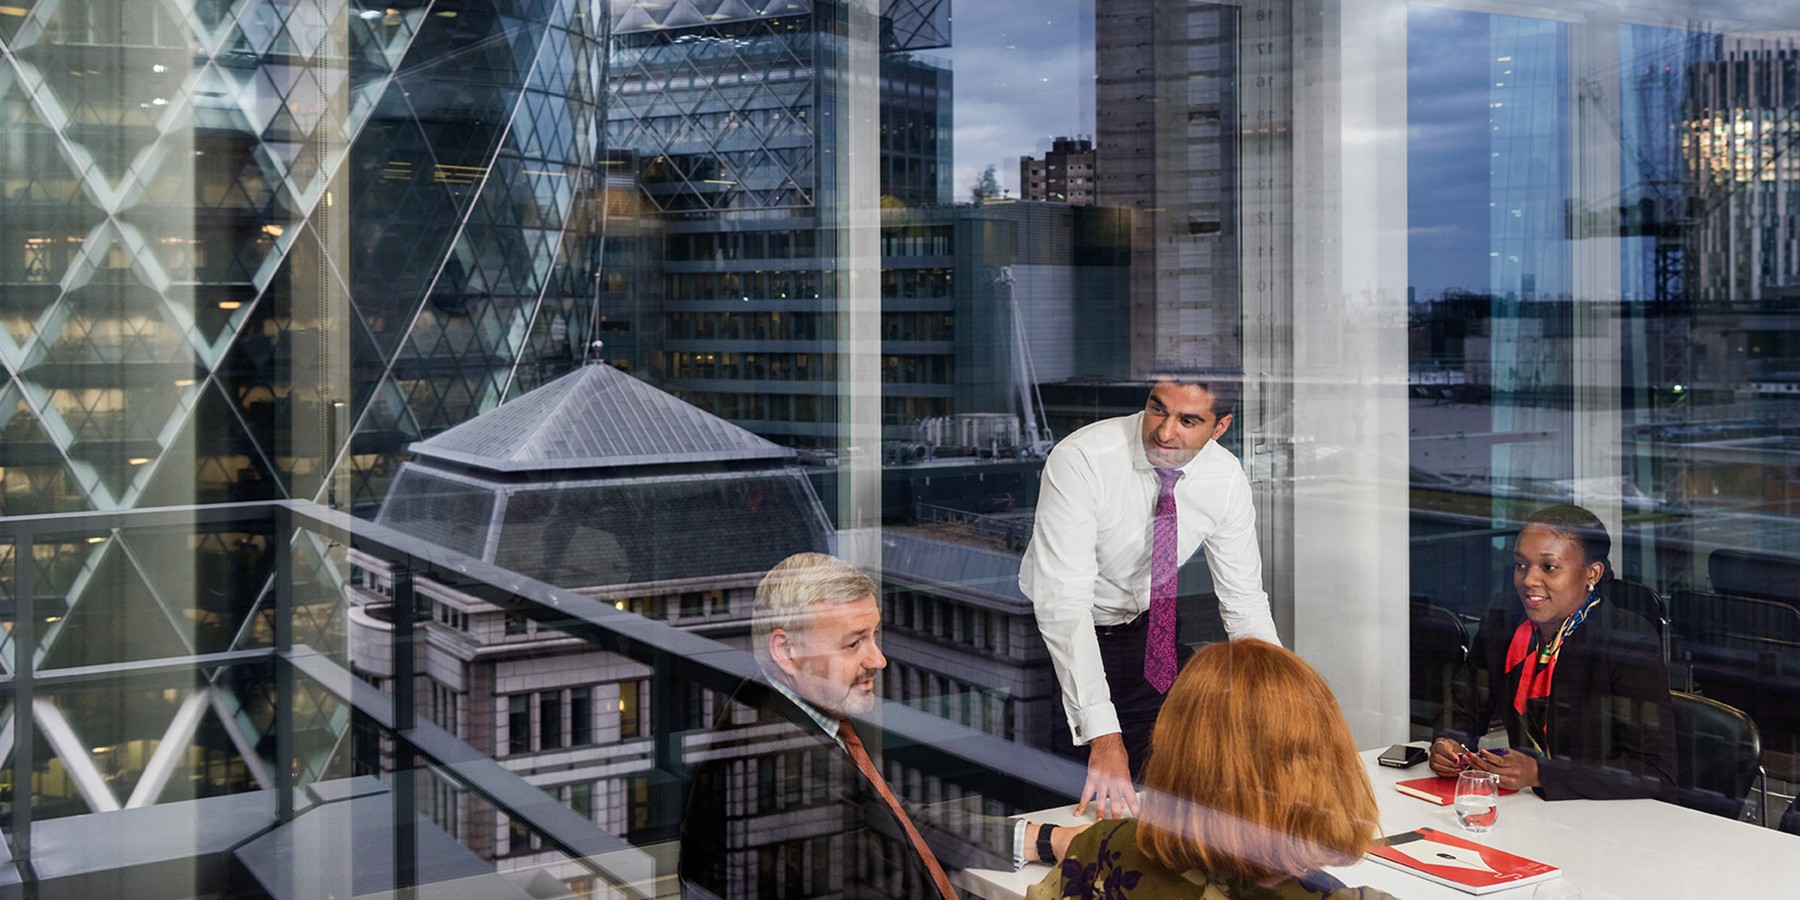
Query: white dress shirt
[1089, 559]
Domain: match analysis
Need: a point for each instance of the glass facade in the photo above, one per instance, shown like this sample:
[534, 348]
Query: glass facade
[400, 402]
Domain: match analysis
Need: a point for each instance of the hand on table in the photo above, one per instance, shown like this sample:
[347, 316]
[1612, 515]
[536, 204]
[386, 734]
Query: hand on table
[1517, 771]
[1448, 757]
[1108, 780]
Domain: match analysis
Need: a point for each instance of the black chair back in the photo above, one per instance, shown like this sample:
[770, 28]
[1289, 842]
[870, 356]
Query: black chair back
[1640, 598]
[1695, 613]
[1440, 645]
[1768, 576]
[1201, 622]
[1717, 755]
[1790, 820]
[1761, 676]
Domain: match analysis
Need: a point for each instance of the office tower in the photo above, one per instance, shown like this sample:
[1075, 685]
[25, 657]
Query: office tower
[1743, 245]
[1166, 121]
[725, 109]
[1064, 175]
[256, 191]
[606, 486]
[249, 253]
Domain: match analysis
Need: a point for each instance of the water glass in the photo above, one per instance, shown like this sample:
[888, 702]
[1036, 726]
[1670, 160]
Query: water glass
[1477, 800]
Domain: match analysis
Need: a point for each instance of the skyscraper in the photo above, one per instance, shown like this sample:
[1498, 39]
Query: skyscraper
[192, 242]
[1166, 123]
[250, 252]
[1737, 139]
[725, 109]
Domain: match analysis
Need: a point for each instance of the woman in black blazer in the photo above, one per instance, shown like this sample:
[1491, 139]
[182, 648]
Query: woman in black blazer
[1579, 683]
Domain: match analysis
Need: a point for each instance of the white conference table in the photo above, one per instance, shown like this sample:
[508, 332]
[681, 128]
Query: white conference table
[1611, 850]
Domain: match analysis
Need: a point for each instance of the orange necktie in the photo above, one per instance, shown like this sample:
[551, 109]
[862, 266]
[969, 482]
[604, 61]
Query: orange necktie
[860, 753]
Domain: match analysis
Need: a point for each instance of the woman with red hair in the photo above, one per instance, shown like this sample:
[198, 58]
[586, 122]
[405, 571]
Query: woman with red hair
[1253, 785]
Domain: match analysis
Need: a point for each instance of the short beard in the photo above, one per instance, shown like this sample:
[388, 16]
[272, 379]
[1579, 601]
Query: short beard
[857, 703]
[832, 697]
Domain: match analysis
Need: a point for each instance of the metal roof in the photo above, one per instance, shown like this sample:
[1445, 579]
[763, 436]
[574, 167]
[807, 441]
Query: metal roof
[592, 532]
[595, 417]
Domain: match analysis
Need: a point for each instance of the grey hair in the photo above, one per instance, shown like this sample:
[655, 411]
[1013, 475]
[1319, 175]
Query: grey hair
[787, 594]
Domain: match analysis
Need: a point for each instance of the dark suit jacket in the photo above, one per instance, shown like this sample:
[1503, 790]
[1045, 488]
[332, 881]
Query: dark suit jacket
[777, 808]
[1611, 733]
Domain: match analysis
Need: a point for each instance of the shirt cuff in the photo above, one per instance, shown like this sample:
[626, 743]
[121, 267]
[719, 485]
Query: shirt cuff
[1094, 721]
[1019, 845]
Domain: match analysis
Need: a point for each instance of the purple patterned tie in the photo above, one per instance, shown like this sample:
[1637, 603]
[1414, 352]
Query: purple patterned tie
[1159, 645]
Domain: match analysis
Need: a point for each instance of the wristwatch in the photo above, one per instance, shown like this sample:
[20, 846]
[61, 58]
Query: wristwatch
[1046, 853]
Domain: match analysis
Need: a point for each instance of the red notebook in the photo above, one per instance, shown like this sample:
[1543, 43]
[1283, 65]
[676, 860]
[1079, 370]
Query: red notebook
[1439, 789]
[1458, 862]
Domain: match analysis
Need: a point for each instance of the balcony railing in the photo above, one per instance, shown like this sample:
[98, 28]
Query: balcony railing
[305, 759]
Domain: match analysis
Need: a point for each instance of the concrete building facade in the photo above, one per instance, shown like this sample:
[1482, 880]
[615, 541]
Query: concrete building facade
[1066, 174]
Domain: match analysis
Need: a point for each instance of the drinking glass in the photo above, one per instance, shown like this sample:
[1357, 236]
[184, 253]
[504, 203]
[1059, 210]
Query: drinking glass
[1556, 889]
[1477, 800]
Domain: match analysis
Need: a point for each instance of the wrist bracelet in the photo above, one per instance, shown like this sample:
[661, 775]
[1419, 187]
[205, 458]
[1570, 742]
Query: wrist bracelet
[1046, 853]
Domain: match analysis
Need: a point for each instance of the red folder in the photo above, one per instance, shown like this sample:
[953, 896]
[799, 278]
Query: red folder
[1439, 789]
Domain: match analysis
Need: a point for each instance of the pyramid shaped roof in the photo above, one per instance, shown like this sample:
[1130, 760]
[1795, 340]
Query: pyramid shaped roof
[595, 417]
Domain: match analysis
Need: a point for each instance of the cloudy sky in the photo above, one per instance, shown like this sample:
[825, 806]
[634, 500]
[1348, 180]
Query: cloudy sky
[1447, 150]
[1024, 74]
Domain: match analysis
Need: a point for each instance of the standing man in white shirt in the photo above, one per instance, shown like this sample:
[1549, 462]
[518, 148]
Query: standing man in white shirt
[1123, 503]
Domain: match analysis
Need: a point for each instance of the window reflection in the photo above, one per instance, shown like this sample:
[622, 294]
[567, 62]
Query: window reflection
[235, 270]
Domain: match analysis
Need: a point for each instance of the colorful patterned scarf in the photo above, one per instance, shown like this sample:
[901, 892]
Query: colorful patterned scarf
[1540, 667]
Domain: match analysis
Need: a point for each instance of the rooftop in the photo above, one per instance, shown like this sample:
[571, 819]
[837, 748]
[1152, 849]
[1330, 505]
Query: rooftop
[594, 417]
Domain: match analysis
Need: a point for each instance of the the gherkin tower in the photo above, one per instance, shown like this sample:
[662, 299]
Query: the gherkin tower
[249, 250]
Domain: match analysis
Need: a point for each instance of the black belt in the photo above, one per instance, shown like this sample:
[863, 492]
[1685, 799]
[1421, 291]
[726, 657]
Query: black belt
[1126, 629]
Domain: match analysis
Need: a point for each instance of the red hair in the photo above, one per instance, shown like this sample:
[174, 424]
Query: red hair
[1252, 772]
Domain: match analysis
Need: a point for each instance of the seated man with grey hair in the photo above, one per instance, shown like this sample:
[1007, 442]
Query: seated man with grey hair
[789, 803]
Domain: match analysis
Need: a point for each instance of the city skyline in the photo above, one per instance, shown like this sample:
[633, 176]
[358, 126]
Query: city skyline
[1024, 79]
[331, 274]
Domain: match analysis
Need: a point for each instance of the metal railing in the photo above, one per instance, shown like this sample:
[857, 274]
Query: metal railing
[1015, 776]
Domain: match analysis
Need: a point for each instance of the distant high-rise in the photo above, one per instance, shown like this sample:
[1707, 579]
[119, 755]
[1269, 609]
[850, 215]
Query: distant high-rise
[1064, 175]
[1742, 171]
[1166, 129]
[725, 110]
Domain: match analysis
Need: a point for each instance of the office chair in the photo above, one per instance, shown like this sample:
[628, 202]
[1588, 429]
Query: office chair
[1767, 576]
[1640, 598]
[1440, 646]
[1717, 756]
[1693, 613]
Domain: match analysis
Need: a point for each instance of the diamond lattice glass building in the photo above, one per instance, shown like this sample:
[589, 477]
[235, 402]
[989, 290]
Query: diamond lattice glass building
[183, 186]
[249, 251]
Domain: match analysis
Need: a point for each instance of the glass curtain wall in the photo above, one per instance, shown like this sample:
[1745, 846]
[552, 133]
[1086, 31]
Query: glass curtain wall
[402, 400]
[1625, 327]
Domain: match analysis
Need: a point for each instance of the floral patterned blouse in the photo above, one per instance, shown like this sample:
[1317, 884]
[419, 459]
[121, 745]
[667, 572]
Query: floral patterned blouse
[1104, 863]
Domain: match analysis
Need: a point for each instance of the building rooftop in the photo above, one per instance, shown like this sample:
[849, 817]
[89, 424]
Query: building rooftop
[594, 417]
[597, 479]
